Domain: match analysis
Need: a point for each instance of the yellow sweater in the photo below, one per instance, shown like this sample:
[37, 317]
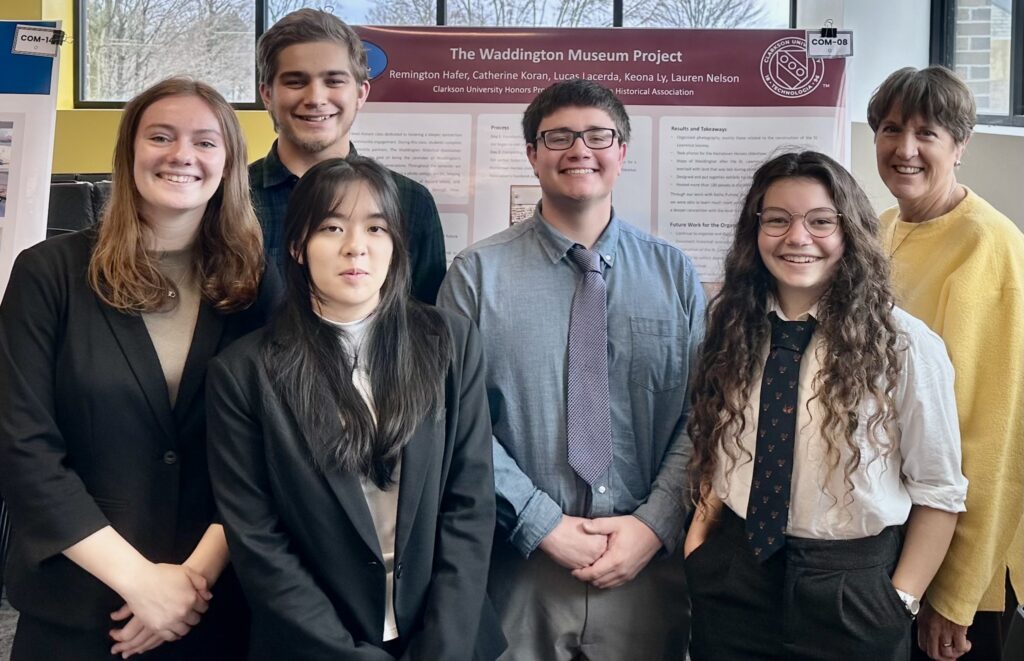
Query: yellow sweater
[963, 274]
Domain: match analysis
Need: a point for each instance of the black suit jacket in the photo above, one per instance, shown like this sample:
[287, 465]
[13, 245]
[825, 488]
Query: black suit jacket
[88, 437]
[303, 541]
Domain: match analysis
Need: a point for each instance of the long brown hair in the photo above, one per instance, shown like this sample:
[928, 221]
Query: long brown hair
[229, 246]
[854, 318]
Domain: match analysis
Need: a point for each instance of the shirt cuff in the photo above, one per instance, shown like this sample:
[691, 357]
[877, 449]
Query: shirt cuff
[665, 517]
[945, 498]
[538, 518]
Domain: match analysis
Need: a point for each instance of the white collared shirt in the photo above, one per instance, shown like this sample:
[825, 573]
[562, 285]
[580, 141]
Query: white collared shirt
[924, 469]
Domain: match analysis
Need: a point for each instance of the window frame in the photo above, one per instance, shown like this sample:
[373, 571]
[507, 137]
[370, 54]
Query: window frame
[942, 51]
[78, 66]
[78, 19]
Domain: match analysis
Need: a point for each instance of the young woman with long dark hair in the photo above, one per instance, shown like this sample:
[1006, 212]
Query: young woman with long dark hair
[352, 461]
[823, 421]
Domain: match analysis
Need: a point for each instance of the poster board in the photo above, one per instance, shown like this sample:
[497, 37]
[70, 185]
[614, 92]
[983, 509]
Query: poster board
[706, 107]
[28, 114]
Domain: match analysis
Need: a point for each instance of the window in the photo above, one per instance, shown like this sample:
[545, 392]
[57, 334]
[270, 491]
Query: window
[125, 45]
[707, 14]
[362, 12]
[982, 41]
[130, 44]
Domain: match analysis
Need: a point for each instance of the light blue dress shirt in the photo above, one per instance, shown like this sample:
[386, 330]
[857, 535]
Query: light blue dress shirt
[518, 286]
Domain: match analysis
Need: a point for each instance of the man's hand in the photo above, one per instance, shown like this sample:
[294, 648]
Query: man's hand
[571, 546]
[631, 545]
[940, 638]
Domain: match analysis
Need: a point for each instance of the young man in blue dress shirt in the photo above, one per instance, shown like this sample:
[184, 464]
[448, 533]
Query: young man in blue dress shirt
[313, 81]
[587, 564]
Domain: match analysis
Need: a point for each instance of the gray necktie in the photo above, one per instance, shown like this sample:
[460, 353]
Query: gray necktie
[588, 413]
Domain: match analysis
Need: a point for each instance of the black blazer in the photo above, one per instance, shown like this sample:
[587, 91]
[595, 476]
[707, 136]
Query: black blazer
[304, 544]
[87, 434]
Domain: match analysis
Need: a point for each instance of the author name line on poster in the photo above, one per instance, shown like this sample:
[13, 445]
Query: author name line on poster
[464, 75]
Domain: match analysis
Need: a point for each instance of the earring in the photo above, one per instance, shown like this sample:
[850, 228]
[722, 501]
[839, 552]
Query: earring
[957, 164]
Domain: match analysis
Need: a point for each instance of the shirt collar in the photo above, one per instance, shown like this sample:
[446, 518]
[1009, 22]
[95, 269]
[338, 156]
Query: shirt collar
[275, 172]
[556, 245]
[773, 306]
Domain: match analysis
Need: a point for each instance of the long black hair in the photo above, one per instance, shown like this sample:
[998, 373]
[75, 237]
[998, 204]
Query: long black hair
[408, 343]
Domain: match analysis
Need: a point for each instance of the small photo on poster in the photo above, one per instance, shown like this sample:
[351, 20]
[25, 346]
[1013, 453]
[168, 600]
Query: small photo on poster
[522, 201]
[6, 138]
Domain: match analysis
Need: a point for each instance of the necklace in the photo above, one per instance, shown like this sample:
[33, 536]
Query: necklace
[895, 224]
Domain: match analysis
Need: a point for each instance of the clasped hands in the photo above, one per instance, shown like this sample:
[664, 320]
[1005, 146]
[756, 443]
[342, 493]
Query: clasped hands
[606, 552]
[163, 603]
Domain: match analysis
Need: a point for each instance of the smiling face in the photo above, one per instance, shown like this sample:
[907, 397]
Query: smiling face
[916, 160]
[579, 176]
[348, 256]
[314, 98]
[179, 159]
[802, 265]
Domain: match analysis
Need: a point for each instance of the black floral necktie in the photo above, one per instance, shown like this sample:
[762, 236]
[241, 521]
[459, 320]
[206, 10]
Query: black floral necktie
[768, 507]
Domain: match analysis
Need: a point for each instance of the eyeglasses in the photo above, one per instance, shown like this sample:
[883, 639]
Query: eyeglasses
[819, 223]
[562, 139]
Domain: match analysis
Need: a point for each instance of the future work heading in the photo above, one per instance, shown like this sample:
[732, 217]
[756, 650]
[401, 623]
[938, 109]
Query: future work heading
[571, 55]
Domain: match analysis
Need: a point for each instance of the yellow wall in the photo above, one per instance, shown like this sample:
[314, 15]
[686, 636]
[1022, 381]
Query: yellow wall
[13, 10]
[84, 140]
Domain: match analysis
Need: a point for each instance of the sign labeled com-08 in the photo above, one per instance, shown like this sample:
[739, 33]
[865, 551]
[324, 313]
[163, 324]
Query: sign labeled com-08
[838, 46]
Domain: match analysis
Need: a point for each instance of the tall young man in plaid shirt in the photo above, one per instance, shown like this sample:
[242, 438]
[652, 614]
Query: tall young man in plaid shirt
[313, 81]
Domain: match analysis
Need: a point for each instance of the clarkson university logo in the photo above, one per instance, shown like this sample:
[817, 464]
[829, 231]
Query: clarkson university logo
[787, 71]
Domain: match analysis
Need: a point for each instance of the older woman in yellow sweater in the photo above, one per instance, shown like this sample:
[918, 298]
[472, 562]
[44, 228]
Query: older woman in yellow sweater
[958, 265]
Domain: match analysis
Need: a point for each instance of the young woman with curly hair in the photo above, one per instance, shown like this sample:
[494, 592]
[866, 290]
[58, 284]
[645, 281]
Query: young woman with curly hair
[823, 420]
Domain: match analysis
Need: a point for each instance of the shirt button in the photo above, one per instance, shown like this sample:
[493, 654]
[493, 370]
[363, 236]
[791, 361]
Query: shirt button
[398, 571]
[170, 457]
[602, 489]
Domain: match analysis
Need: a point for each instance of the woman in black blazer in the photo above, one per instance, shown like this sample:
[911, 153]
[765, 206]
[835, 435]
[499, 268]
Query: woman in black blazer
[104, 339]
[351, 447]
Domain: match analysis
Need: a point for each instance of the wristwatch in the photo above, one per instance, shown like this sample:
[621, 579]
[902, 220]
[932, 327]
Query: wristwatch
[910, 602]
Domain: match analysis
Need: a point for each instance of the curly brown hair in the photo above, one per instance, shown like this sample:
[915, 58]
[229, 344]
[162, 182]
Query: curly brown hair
[855, 321]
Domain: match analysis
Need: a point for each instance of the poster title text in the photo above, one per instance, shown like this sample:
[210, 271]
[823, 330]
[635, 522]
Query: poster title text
[571, 55]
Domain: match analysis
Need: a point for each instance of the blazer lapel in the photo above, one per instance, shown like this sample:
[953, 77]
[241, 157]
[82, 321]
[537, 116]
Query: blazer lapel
[349, 492]
[205, 341]
[416, 460]
[133, 338]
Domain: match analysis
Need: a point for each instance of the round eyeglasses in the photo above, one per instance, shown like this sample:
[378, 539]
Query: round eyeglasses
[819, 223]
[562, 139]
